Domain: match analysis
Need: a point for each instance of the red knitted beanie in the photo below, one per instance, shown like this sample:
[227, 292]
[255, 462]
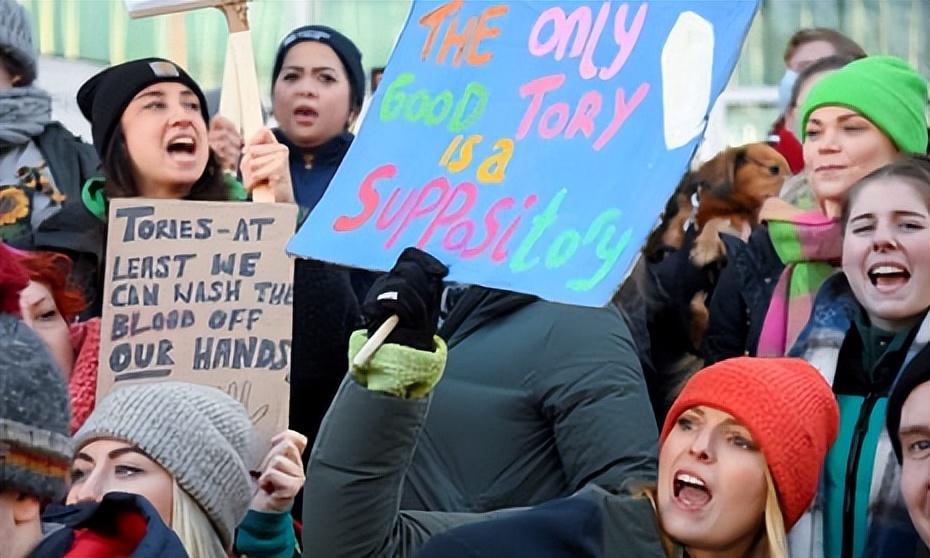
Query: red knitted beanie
[788, 408]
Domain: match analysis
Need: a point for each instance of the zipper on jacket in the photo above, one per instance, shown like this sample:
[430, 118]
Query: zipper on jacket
[852, 469]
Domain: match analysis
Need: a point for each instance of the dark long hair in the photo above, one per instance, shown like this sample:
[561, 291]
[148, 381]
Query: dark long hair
[120, 182]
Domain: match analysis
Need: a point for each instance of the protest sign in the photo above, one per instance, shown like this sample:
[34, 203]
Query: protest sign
[200, 292]
[530, 146]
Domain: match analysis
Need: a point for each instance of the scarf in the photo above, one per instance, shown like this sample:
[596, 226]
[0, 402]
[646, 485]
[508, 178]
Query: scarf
[810, 245]
[24, 113]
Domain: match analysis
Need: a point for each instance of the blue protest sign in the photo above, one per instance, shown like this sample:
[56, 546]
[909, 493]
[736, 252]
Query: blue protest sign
[528, 145]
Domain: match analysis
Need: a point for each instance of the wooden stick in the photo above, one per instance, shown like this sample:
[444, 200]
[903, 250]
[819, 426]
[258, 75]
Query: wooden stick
[374, 342]
[240, 100]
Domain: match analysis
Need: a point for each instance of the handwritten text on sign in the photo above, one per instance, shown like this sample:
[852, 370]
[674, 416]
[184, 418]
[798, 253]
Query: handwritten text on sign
[200, 292]
[529, 145]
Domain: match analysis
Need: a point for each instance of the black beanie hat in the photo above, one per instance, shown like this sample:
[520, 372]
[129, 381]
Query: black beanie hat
[344, 48]
[916, 373]
[104, 97]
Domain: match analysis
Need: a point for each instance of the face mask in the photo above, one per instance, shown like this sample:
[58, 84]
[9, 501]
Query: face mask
[784, 89]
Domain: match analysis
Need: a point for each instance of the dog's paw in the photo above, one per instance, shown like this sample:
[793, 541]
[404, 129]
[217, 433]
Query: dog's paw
[707, 246]
[700, 318]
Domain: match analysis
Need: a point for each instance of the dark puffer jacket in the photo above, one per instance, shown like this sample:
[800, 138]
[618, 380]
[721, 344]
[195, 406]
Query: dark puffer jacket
[742, 296]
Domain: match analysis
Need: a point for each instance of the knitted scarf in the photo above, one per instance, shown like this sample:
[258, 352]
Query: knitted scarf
[82, 384]
[810, 245]
[24, 113]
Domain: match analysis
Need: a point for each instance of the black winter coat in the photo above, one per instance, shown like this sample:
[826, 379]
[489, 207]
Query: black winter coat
[742, 297]
[655, 302]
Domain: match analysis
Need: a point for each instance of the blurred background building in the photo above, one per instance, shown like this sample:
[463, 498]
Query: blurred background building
[77, 37]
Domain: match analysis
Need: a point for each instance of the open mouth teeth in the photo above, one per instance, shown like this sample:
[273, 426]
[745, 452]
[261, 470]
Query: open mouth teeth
[888, 273]
[684, 480]
[181, 145]
[691, 490]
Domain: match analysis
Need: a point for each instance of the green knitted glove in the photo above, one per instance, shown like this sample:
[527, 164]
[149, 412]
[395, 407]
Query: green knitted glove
[397, 369]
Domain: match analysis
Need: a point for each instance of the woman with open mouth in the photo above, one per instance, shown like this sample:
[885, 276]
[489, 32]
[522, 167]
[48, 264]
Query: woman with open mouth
[317, 89]
[869, 326]
[149, 124]
[740, 459]
[853, 121]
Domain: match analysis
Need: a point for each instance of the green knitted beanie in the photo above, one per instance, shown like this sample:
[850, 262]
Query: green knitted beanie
[883, 89]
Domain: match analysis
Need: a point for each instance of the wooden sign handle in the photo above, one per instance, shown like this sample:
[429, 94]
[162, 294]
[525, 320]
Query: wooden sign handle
[374, 342]
[239, 99]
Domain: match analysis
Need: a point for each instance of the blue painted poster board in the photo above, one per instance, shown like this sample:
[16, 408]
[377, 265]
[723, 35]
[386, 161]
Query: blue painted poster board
[528, 145]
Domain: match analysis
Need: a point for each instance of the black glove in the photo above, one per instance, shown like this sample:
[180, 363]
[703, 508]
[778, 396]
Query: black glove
[412, 291]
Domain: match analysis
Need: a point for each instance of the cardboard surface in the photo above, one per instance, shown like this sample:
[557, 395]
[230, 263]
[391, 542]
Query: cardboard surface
[530, 146]
[200, 292]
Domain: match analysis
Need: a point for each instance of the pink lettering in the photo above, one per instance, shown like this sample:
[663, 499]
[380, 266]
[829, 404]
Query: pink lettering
[578, 22]
[587, 69]
[583, 120]
[538, 89]
[622, 110]
[443, 218]
[467, 229]
[500, 249]
[625, 38]
[491, 224]
[420, 208]
[549, 129]
[385, 220]
[369, 198]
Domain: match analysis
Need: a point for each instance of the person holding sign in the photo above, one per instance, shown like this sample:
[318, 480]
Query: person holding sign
[190, 451]
[149, 123]
[854, 121]
[739, 463]
[539, 398]
[318, 89]
[318, 85]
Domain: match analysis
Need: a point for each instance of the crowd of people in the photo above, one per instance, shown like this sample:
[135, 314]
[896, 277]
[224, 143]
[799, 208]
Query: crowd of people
[759, 387]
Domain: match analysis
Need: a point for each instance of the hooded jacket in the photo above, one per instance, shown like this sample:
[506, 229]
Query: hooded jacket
[353, 498]
[537, 401]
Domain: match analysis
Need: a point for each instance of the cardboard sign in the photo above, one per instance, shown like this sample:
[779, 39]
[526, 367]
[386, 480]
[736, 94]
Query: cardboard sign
[200, 292]
[528, 145]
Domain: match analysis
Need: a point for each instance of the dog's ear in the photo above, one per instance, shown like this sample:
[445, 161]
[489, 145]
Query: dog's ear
[718, 174]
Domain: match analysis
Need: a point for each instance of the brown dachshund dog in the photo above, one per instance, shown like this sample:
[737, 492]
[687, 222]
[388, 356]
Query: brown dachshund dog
[731, 189]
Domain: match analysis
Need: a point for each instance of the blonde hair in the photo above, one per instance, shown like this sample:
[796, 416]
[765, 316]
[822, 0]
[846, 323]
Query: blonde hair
[776, 539]
[773, 537]
[193, 527]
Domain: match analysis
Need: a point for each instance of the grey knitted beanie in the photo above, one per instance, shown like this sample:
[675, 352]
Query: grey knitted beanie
[200, 435]
[16, 39]
[35, 442]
